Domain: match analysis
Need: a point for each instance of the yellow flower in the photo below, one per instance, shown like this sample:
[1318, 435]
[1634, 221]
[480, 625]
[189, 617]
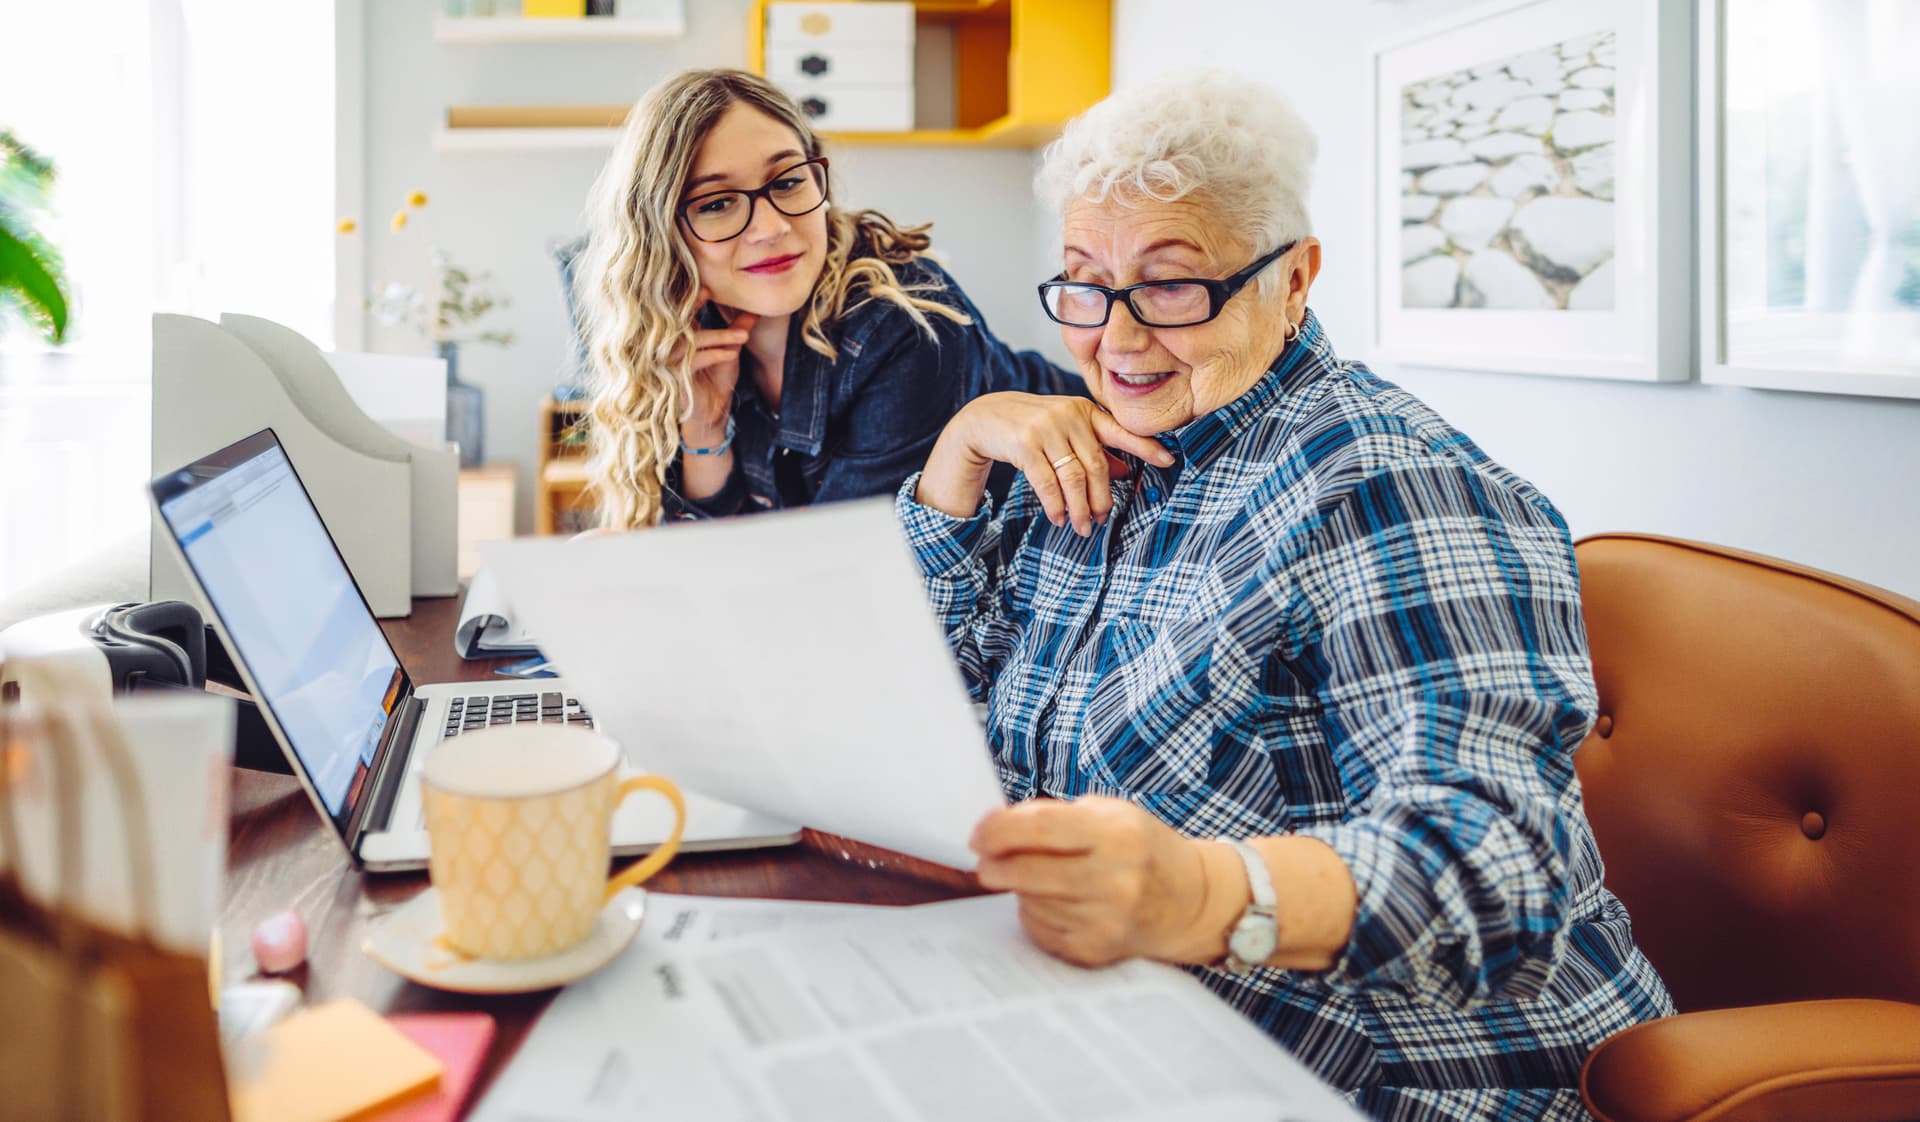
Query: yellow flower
[347, 226]
[417, 199]
[399, 220]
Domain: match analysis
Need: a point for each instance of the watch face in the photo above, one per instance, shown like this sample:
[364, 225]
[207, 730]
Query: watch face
[1254, 939]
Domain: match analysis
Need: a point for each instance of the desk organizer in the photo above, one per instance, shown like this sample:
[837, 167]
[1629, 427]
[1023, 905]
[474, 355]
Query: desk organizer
[390, 505]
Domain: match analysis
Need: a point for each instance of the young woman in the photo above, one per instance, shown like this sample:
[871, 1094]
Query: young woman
[753, 347]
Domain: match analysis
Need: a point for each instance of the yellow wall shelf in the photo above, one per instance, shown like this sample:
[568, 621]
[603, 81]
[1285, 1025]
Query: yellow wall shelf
[471, 30]
[1022, 68]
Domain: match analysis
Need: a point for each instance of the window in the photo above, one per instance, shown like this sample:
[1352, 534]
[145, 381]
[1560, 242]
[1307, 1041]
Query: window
[194, 143]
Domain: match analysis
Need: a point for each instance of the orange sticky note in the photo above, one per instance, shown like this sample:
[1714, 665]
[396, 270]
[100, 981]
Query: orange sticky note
[461, 1041]
[325, 1064]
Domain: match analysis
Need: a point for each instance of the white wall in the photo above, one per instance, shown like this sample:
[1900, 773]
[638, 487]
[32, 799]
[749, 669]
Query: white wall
[497, 211]
[1826, 480]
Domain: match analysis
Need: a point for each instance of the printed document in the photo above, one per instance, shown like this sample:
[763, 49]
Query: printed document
[773, 1012]
[787, 663]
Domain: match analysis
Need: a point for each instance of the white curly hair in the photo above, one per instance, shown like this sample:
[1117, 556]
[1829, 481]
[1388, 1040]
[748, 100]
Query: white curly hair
[1239, 143]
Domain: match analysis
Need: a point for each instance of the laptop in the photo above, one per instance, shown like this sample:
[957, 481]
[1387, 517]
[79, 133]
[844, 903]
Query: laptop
[354, 726]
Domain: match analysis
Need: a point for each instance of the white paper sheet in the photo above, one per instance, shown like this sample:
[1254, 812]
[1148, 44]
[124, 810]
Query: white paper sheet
[405, 393]
[940, 1013]
[787, 663]
[488, 627]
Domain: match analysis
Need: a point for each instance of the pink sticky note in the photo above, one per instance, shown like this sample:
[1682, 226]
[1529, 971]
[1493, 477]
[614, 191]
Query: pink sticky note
[460, 1040]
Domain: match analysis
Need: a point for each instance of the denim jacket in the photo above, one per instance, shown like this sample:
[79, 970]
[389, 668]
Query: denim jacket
[859, 425]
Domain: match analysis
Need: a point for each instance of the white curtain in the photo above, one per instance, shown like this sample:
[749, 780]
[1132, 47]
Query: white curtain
[1866, 55]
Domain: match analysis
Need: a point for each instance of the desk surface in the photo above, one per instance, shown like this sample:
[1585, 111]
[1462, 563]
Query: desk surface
[282, 855]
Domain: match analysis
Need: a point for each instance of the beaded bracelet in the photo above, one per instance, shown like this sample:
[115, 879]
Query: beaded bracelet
[719, 449]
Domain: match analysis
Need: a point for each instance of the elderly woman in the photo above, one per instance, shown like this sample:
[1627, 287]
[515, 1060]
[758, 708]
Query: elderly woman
[1309, 666]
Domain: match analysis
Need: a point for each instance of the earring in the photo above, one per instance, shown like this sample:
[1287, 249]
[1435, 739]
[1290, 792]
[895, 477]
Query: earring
[1293, 332]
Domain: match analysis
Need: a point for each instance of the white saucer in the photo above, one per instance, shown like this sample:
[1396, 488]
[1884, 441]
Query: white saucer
[405, 943]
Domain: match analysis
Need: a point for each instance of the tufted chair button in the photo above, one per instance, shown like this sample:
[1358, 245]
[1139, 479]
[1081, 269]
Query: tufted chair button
[1812, 825]
[1604, 726]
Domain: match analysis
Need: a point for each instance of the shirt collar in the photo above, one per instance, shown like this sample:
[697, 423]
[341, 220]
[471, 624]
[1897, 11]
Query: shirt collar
[1200, 441]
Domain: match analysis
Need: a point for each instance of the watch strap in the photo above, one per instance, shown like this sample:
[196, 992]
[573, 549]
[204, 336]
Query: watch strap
[1258, 878]
[1262, 911]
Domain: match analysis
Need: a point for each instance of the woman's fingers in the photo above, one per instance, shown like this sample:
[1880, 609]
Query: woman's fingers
[1034, 826]
[720, 337]
[1109, 432]
[1046, 485]
[1072, 477]
[1093, 460]
[714, 356]
[1043, 874]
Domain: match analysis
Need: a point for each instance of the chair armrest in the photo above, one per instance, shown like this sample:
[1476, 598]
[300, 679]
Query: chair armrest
[1851, 1060]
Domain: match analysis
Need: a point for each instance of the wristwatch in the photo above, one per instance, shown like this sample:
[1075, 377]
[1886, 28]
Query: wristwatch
[1252, 940]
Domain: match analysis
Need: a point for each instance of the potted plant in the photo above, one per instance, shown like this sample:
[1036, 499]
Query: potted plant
[33, 283]
[452, 316]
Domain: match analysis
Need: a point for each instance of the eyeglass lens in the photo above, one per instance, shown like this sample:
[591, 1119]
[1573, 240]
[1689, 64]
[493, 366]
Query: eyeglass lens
[725, 214]
[1156, 305]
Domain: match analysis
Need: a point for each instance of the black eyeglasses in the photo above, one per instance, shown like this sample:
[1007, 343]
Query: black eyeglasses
[1181, 302]
[724, 215]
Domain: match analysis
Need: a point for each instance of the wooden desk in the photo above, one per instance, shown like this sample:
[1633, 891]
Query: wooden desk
[282, 855]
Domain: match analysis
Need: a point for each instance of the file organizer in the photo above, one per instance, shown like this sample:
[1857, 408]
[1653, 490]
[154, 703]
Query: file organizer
[389, 504]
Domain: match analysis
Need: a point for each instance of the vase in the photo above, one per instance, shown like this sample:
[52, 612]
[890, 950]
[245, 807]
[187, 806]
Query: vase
[466, 408]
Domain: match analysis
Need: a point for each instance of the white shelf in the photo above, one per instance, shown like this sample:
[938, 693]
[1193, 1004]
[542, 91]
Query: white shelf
[588, 29]
[522, 140]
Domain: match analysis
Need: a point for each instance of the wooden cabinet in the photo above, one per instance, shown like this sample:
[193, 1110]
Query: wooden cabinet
[487, 497]
[1008, 74]
[561, 503]
[1020, 68]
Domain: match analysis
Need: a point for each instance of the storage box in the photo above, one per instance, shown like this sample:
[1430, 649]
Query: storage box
[856, 108]
[862, 64]
[849, 65]
[867, 22]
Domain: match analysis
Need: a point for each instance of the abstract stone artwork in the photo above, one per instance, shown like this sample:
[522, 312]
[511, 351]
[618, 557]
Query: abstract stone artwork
[1506, 193]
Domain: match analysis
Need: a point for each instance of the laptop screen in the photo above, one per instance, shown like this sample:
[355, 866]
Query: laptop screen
[291, 611]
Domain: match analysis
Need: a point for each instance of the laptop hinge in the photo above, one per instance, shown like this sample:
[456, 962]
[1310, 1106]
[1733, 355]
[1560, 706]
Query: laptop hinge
[374, 810]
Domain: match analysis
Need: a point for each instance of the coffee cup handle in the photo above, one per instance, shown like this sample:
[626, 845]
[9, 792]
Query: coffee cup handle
[657, 860]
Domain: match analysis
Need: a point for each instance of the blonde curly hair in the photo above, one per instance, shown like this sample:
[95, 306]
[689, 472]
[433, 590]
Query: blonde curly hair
[637, 282]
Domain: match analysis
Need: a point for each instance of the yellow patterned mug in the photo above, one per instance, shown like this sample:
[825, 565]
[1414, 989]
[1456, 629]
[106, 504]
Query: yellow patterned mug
[519, 830]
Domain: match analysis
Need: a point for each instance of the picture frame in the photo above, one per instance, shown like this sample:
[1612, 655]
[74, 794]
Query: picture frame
[1533, 196]
[1809, 209]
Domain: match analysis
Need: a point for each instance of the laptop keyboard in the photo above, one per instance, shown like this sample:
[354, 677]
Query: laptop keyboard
[466, 714]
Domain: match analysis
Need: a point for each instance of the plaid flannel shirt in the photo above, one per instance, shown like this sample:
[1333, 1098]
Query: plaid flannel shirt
[1332, 616]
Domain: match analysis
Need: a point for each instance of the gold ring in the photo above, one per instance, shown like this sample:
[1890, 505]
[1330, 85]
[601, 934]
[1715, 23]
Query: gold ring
[1064, 461]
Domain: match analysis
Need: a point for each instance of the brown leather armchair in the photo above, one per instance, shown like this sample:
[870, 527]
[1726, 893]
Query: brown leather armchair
[1753, 780]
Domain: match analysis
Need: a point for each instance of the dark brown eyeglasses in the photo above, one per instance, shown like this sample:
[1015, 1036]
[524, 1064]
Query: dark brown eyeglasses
[720, 216]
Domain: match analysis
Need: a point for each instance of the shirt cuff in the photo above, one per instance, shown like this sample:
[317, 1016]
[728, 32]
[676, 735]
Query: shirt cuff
[727, 501]
[1376, 952]
[941, 542]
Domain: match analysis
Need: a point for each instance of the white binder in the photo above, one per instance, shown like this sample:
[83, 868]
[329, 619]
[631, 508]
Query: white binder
[391, 505]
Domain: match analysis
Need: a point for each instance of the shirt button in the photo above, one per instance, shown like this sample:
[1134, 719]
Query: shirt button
[1153, 494]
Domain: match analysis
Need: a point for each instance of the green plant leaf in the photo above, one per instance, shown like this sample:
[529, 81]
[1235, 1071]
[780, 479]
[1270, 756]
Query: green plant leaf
[22, 271]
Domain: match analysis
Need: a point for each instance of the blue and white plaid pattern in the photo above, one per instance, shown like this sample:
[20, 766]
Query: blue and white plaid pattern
[1333, 616]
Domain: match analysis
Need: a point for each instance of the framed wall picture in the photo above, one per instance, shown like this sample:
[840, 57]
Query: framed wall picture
[1810, 195]
[1533, 196]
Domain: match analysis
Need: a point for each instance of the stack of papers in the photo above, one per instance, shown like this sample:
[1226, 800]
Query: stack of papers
[757, 1011]
[487, 628]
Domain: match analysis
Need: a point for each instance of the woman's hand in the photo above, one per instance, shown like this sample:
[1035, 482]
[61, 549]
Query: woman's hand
[1100, 880]
[716, 370]
[1059, 442]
